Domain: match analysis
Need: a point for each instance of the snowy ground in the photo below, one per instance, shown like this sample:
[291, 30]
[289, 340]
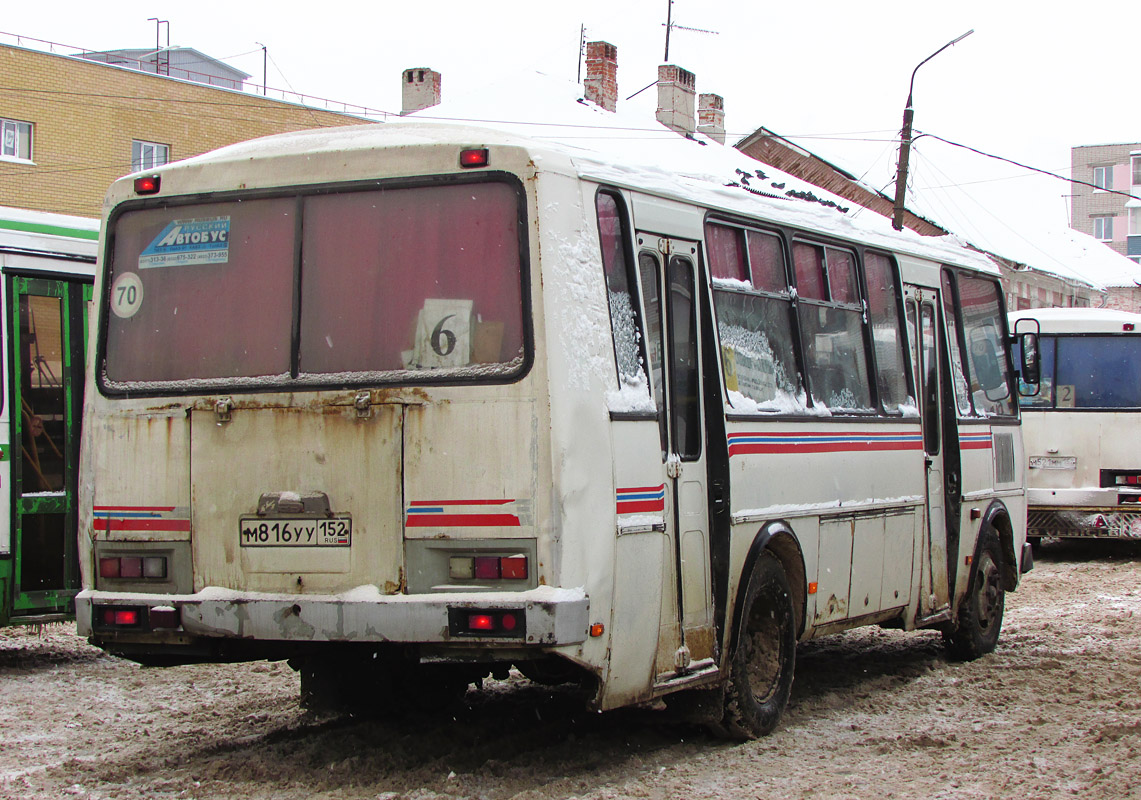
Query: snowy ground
[1055, 712]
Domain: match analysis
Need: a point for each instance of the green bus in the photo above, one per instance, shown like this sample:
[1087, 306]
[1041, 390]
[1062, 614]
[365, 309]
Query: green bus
[47, 263]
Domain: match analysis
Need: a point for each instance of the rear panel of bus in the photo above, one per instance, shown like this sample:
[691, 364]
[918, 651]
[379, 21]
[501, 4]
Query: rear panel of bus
[322, 390]
[1084, 468]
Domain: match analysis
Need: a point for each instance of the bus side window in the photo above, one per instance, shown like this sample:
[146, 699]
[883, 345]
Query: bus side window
[754, 319]
[958, 368]
[651, 272]
[625, 319]
[986, 351]
[832, 327]
[887, 335]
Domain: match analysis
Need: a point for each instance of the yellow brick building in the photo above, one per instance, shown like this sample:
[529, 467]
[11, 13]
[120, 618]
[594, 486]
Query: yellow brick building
[69, 125]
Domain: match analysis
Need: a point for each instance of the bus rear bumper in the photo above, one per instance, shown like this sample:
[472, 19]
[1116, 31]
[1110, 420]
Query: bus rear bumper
[543, 616]
[1090, 522]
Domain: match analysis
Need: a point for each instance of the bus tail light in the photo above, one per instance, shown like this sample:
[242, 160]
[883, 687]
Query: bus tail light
[120, 616]
[148, 185]
[492, 622]
[488, 568]
[165, 617]
[474, 157]
[133, 567]
[137, 617]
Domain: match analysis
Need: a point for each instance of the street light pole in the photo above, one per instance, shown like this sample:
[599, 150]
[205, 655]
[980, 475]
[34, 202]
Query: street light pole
[905, 137]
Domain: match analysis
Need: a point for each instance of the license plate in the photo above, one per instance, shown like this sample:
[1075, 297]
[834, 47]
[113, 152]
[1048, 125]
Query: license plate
[295, 532]
[1053, 462]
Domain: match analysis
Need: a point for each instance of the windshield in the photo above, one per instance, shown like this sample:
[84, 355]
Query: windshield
[1089, 372]
[404, 284]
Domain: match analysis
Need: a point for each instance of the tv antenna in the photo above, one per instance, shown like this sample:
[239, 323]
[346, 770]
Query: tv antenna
[670, 25]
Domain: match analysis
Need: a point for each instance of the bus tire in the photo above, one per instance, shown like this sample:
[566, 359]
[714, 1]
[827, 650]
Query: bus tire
[975, 632]
[761, 668]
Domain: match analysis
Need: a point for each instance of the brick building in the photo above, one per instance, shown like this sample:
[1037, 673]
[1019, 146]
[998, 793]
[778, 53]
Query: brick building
[1104, 210]
[70, 126]
[1069, 278]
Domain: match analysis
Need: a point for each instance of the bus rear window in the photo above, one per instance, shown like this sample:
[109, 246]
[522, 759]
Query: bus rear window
[395, 285]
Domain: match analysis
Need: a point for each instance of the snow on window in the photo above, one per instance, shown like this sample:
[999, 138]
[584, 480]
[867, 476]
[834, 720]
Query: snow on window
[624, 318]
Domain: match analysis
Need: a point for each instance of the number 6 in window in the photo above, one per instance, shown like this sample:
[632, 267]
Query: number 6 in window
[443, 334]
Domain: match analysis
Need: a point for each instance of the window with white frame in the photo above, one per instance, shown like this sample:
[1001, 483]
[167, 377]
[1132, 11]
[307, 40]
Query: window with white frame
[1103, 228]
[15, 139]
[1103, 177]
[1135, 222]
[148, 155]
[1136, 170]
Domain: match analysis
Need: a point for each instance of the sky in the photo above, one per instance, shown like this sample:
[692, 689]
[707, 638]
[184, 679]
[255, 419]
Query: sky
[1032, 81]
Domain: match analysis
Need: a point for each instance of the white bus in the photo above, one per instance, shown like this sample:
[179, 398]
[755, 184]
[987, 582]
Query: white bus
[47, 265]
[1083, 427]
[408, 404]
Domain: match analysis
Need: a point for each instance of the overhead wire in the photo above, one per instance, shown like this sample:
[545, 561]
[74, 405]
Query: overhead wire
[1024, 166]
[968, 228]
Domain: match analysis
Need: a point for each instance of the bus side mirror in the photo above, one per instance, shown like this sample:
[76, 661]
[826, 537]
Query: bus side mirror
[1030, 368]
[1025, 340]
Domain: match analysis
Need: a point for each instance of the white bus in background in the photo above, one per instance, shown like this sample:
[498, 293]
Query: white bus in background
[47, 264]
[1083, 428]
[409, 404]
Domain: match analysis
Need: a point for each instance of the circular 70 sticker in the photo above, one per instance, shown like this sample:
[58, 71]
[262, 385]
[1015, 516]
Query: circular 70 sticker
[126, 295]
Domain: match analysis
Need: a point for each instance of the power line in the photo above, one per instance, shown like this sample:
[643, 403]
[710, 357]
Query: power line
[1025, 166]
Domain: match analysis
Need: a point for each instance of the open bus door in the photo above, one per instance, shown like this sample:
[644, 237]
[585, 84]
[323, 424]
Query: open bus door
[46, 331]
[924, 329]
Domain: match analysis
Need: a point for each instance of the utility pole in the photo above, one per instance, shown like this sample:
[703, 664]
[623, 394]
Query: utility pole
[669, 27]
[581, 47]
[905, 138]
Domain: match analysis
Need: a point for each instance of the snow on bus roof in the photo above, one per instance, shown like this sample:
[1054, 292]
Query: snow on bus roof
[624, 148]
[1079, 320]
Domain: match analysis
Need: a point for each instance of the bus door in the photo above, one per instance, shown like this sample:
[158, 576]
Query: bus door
[673, 331]
[923, 327]
[47, 330]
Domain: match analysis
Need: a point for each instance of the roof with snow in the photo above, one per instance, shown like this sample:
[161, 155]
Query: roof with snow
[629, 147]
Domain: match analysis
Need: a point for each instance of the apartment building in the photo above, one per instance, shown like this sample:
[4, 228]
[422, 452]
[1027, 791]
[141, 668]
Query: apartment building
[1106, 195]
[70, 124]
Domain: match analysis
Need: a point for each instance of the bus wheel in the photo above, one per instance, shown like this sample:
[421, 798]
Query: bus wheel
[976, 631]
[760, 672]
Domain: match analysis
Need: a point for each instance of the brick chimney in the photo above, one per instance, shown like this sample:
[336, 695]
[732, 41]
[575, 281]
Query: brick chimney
[711, 116]
[421, 89]
[601, 82]
[676, 89]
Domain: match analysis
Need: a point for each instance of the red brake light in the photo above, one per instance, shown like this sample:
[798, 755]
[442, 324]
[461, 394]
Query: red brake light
[1128, 326]
[109, 568]
[148, 185]
[124, 617]
[481, 622]
[130, 567]
[474, 158]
